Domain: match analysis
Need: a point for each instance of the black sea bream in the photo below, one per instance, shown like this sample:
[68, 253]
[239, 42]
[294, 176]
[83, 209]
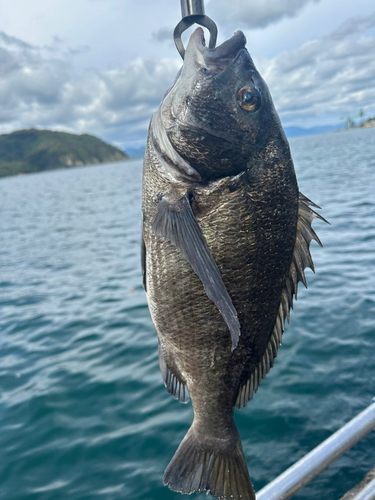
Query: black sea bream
[226, 238]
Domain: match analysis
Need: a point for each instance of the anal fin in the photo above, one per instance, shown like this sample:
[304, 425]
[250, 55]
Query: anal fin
[173, 382]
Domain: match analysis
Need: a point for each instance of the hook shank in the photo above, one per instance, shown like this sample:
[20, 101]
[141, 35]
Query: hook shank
[192, 8]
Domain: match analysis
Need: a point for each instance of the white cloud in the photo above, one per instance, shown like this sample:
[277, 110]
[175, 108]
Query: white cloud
[255, 13]
[37, 90]
[314, 84]
[325, 78]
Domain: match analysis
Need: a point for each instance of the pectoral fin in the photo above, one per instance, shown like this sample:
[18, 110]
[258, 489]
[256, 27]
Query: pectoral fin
[175, 221]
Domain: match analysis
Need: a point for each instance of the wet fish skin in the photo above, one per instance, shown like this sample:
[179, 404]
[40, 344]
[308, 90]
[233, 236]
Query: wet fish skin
[220, 210]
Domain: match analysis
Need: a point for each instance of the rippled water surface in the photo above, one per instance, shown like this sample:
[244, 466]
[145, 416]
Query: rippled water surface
[83, 411]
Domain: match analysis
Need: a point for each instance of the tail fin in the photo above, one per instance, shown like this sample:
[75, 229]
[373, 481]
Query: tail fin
[199, 465]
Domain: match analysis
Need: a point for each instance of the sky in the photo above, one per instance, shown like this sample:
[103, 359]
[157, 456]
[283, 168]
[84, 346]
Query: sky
[103, 66]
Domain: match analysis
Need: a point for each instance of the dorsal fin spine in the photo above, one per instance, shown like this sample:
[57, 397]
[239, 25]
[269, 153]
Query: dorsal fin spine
[301, 259]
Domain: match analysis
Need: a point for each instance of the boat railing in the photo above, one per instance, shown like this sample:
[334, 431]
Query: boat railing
[303, 471]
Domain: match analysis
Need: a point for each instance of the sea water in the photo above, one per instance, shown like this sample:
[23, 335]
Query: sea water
[84, 414]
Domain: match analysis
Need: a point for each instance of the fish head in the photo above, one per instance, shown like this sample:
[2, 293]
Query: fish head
[219, 115]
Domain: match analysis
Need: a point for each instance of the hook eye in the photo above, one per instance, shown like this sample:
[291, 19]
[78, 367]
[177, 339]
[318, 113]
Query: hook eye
[185, 24]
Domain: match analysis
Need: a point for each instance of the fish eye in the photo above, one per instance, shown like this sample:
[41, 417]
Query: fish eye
[249, 99]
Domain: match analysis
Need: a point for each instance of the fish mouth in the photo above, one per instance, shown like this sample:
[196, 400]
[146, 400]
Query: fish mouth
[218, 59]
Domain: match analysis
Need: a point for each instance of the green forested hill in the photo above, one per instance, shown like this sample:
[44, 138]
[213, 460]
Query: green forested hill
[26, 151]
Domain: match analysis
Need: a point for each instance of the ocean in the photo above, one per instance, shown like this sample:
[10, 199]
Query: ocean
[84, 414]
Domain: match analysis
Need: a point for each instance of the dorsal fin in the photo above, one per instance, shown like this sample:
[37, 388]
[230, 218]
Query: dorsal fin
[300, 261]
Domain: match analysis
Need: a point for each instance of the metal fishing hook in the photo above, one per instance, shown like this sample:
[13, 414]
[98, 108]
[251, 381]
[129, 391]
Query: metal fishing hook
[193, 13]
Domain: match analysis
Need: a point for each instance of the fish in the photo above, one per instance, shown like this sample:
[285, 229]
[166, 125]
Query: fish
[225, 241]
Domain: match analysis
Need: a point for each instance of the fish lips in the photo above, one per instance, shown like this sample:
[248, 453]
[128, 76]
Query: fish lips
[216, 60]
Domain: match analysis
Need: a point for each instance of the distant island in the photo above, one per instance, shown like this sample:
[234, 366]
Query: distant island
[27, 151]
[362, 122]
[350, 124]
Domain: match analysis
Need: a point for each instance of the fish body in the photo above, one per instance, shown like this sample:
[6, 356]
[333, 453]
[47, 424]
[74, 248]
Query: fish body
[226, 239]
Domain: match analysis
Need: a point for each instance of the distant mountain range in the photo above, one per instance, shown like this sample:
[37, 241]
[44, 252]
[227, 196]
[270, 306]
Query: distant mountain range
[136, 153]
[299, 131]
[27, 151]
[350, 125]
